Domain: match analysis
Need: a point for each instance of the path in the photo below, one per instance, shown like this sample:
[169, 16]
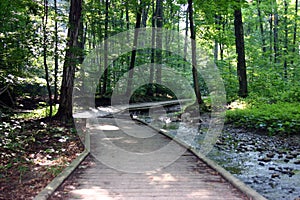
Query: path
[165, 169]
[114, 109]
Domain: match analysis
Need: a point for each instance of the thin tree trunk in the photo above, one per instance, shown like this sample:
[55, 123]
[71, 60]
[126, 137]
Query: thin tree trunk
[261, 27]
[45, 49]
[65, 107]
[295, 32]
[55, 54]
[194, 59]
[186, 33]
[285, 40]
[133, 53]
[151, 77]
[240, 50]
[216, 46]
[275, 30]
[159, 25]
[145, 16]
[105, 75]
[271, 37]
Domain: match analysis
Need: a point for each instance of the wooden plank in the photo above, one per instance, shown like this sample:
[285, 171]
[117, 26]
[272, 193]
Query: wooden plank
[184, 178]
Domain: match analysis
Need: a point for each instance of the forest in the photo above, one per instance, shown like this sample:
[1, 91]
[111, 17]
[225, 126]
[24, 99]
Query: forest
[254, 44]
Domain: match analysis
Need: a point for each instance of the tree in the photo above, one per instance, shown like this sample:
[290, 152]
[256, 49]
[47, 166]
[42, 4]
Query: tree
[133, 53]
[64, 112]
[45, 49]
[240, 50]
[194, 59]
[159, 25]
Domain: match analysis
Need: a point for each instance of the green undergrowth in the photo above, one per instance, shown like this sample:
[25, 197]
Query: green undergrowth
[275, 118]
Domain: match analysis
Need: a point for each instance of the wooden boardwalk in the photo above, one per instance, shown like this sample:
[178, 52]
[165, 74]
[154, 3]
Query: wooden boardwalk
[133, 161]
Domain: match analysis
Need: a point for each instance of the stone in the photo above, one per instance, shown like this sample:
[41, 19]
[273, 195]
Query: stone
[265, 159]
[275, 176]
[270, 155]
[271, 168]
[297, 162]
[290, 156]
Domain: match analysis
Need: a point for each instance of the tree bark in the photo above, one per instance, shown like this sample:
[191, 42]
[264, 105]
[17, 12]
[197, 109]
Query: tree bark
[275, 34]
[295, 31]
[240, 50]
[159, 25]
[194, 59]
[55, 54]
[261, 27]
[45, 49]
[133, 53]
[285, 40]
[151, 77]
[105, 74]
[65, 107]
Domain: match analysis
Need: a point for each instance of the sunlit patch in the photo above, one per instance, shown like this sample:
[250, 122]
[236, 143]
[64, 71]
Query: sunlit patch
[204, 193]
[107, 127]
[164, 178]
[237, 105]
[92, 193]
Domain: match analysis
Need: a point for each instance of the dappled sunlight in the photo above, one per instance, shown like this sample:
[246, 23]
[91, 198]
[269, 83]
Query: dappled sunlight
[92, 193]
[203, 193]
[107, 127]
[112, 139]
[237, 105]
[163, 178]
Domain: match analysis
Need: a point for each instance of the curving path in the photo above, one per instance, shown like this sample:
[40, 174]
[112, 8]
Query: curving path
[133, 161]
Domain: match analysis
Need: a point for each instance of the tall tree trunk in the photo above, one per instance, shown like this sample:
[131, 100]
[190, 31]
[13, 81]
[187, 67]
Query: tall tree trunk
[240, 50]
[216, 47]
[295, 31]
[133, 53]
[271, 37]
[275, 30]
[151, 77]
[159, 25]
[45, 49]
[194, 59]
[261, 26]
[186, 33]
[145, 16]
[285, 40]
[105, 75]
[65, 107]
[55, 54]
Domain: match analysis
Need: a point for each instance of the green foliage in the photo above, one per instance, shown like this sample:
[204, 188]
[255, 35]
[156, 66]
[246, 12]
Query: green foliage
[41, 112]
[281, 117]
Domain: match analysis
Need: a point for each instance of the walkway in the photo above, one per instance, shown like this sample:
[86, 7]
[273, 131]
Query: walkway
[132, 161]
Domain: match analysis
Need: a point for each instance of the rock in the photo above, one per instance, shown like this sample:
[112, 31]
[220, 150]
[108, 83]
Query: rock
[297, 162]
[275, 176]
[265, 159]
[297, 198]
[290, 156]
[271, 168]
[271, 155]
[260, 149]
[295, 153]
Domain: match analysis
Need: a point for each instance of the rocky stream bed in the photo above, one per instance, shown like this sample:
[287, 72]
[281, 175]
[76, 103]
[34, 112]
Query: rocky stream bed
[268, 164]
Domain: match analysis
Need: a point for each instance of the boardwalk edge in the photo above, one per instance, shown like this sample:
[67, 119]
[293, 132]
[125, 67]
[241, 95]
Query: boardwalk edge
[58, 180]
[248, 191]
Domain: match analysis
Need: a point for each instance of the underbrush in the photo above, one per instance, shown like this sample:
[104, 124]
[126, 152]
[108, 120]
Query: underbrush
[32, 152]
[276, 114]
